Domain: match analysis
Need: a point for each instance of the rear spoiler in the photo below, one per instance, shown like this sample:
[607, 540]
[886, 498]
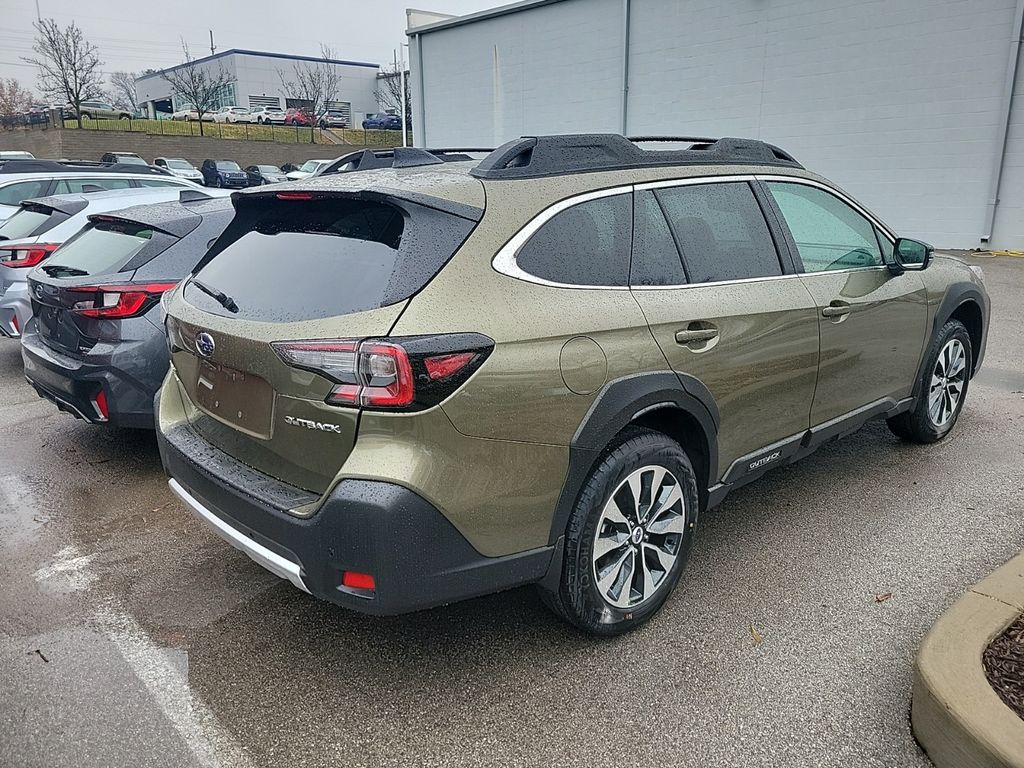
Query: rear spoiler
[377, 195]
[69, 206]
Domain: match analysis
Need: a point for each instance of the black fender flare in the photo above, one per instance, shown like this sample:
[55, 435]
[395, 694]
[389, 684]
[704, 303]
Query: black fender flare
[620, 402]
[956, 296]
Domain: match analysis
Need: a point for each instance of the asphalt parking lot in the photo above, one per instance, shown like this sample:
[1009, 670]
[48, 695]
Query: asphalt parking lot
[130, 635]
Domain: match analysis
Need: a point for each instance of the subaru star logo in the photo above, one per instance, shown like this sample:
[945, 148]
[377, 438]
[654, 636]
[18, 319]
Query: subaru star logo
[204, 344]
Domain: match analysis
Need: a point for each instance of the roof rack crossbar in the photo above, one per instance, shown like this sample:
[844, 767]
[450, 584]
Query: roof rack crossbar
[540, 156]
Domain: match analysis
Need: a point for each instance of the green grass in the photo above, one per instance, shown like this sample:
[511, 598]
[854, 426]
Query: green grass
[279, 133]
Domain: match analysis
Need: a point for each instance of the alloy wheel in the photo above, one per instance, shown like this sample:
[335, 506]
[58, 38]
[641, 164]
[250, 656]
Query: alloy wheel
[947, 382]
[639, 537]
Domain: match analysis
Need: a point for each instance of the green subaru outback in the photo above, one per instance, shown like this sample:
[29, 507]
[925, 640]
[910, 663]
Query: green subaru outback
[409, 385]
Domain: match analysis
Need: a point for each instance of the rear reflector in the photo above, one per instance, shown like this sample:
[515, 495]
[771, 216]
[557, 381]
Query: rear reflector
[118, 301]
[14, 322]
[354, 580]
[100, 402]
[443, 366]
[27, 255]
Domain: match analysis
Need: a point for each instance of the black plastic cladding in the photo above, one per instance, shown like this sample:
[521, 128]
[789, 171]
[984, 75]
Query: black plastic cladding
[539, 156]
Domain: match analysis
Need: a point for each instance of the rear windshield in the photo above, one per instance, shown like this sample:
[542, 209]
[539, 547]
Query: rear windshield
[182, 165]
[227, 165]
[29, 223]
[284, 261]
[104, 247]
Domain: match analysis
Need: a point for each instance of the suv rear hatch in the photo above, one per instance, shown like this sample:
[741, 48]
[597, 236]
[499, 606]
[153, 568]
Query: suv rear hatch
[253, 331]
[81, 294]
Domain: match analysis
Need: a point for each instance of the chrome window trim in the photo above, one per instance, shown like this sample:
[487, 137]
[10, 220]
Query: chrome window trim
[504, 260]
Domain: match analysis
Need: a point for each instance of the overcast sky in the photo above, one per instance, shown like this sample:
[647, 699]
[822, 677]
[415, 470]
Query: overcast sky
[135, 34]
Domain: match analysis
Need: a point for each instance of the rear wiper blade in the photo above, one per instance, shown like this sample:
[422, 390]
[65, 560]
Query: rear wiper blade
[222, 298]
[56, 270]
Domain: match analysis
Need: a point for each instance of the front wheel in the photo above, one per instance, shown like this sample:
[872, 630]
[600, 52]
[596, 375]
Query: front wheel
[942, 389]
[628, 536]
[218, 183]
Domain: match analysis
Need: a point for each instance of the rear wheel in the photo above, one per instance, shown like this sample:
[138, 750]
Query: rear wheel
[86, 116]
[942, 389]
[628, 537]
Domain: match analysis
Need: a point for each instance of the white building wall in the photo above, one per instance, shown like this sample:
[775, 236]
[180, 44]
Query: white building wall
[898, 101]
[258, 76]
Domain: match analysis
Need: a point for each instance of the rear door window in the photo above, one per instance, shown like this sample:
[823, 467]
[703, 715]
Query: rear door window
[586, 245]
[77, 186]
[283, 261]
[721, 231]
[13, 194]
[104, 247]
[656, 258]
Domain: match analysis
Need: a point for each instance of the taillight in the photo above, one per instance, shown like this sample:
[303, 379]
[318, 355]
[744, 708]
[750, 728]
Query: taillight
[118, 301]
[26, 255]
[408, 373]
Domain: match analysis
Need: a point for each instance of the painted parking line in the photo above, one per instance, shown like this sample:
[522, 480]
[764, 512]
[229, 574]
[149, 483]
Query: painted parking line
[156, 667]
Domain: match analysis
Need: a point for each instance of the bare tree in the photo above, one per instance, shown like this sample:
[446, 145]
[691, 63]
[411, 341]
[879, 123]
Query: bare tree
[14, 100]
[313, 85]
[389, 92]
[122, 90]
[69, 65]
[198, 84]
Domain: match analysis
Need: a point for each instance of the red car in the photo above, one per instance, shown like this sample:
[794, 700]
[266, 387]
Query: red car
[297, 117]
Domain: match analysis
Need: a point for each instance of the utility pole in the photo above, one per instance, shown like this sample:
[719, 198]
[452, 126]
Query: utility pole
[39, 16]
[213, 48]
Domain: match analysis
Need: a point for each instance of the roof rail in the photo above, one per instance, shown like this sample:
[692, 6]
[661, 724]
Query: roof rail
[538, 156]
[399, 157]
[71, 166]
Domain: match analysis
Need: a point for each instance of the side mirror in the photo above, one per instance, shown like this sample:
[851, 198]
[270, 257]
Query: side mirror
[910, 255]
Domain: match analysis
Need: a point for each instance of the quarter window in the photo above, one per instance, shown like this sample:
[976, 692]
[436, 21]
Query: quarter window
[587, 244]
[829, 234]
[721, 231]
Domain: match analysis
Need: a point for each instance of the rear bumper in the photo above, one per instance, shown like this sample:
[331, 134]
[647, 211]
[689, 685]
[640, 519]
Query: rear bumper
[417, 557]
[15, 310]
[128, 378]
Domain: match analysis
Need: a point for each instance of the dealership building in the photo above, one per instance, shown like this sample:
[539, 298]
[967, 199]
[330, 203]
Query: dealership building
[255, 81]
[914, 106]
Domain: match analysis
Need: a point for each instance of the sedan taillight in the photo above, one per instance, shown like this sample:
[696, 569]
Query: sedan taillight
[410, 373]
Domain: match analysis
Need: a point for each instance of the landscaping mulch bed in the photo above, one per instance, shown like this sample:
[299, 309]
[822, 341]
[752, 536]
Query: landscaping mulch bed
[1004, 666]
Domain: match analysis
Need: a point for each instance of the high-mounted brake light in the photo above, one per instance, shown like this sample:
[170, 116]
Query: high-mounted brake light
[26, 255]
[294, 195]
[118, 301]
[407, 373]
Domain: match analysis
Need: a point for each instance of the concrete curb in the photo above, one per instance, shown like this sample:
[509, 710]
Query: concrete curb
[955, 715]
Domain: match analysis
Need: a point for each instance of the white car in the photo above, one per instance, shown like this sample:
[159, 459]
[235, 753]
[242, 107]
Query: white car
[180, 167]
[307, 169]
[24, 179]
[232, 115]
[188, 113]
[266, 115]
[15, 154]
[40, 226]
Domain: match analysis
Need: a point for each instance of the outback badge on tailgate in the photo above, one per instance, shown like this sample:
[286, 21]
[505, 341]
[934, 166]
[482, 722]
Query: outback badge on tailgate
[308, 424]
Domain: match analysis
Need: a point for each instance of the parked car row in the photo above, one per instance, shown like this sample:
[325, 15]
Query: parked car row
[330, 118]
[447, 376]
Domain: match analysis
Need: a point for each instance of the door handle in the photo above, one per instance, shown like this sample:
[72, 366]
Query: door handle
[696, 335]
[835, 310]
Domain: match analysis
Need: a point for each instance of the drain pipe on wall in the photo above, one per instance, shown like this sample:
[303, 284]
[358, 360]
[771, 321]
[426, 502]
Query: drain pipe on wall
[1004, 123]
[625, 64]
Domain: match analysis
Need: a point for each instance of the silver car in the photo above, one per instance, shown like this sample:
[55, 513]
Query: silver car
[41, 225]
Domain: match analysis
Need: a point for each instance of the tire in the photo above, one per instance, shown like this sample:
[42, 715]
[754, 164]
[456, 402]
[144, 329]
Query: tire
[259, 121]
[624, 600]
[124, 116]
[86, 116]
[187, 118]
[942, 394]
[218, 183]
